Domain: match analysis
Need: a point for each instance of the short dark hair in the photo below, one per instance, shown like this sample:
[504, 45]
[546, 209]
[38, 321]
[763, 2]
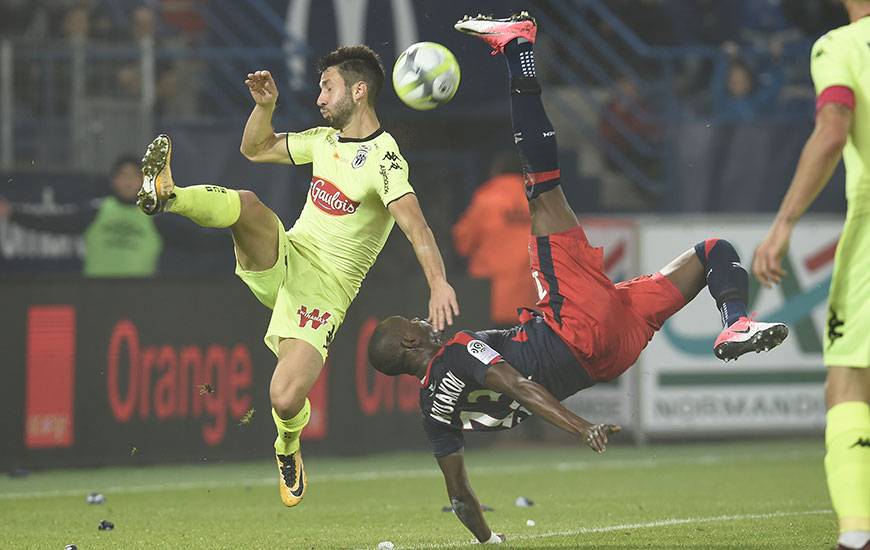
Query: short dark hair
[356, 63]
[385, 351]
[123, 161]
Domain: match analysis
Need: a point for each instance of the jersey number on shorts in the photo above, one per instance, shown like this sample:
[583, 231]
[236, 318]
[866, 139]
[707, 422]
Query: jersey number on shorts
[536, 275]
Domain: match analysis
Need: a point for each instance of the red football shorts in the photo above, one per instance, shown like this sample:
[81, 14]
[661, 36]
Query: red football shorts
[605, 325]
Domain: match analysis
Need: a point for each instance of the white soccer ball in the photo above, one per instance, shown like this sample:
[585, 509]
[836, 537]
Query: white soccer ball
[426, 75]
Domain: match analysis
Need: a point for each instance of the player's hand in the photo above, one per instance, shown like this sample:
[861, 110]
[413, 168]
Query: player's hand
[595, 435]
[767, 262]
[442, 306]
[262, 87]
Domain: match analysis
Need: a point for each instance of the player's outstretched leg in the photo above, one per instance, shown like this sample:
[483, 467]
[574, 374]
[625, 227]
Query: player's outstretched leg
[514, 37]
[205, 205]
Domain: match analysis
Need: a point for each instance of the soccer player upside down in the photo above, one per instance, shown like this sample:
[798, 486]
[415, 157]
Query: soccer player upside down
[587, 330]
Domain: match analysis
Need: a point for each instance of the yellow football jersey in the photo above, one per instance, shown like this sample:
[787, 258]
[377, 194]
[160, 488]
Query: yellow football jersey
[842, 58]
[345, 222]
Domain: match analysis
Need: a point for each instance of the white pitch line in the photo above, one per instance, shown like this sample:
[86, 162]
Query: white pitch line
[376, 475]
[634, 526]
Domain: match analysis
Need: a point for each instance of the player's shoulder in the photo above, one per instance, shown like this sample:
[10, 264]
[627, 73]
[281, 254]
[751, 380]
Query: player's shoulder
[833, 39]
[316, 131]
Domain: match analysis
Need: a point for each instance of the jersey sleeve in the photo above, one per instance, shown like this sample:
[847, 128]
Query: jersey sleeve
[300, 145]
[475, 359]
[444, 439]
[393, 175]
[830, 63]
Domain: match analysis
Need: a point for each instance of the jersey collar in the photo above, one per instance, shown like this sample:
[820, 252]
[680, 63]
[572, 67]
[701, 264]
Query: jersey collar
[369, 137]
[425, 380]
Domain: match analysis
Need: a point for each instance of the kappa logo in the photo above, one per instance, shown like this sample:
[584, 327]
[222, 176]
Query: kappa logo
[394, 160]
[315, 317]
[329, 336]
[862, 442]
[361, 155]
[835, 326]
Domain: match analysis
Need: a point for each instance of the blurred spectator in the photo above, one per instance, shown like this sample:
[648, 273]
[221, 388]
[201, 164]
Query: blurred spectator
[493, 233]
[629, 125]
[120, 241]
[742, 94]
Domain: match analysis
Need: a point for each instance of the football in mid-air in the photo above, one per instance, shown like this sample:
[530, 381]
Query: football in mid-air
[426, 75]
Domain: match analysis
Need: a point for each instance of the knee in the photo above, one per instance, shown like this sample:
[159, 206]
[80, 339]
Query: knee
[722, 246]
[248, 199]
[287, 400]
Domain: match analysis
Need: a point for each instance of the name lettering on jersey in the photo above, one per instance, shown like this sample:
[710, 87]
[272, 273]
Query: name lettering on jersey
[446, 396]
[315, 317]
[361, 155]
[481, 351]
[329, 198]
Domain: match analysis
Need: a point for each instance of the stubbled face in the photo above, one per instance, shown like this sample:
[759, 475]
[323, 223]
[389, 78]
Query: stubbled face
[334, 101]
[127, 181]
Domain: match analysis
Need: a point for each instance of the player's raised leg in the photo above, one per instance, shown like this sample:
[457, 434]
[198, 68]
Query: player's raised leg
[714, 263]
[514, 37]
[254, 226]
[255, 230]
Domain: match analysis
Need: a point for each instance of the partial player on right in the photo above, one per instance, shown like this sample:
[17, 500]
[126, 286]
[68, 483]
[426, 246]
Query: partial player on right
[840, 67]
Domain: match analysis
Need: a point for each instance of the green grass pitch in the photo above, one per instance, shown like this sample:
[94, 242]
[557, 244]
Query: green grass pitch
[722, 495]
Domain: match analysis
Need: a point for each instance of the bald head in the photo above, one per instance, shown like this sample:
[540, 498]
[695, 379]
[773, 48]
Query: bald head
[403, 346]
[386, 352]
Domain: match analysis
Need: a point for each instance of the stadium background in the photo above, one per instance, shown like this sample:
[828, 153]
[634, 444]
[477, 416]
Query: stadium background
[659, 144]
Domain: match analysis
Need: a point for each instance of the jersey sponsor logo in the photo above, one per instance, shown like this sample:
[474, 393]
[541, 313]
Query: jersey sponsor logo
[862, 442]
[314, 316]
[481, 351]
[361, 155]
[446, 396]
[329, 198]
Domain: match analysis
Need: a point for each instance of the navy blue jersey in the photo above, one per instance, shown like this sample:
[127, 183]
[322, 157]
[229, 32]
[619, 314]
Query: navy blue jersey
[454, 398]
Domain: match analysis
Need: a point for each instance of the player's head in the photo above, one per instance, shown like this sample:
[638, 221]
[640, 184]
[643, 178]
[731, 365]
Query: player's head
[126, 177]
[350, 78]
[402, 346]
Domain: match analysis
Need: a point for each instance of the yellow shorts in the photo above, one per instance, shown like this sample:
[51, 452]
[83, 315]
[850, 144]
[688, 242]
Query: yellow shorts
[847, 337]
[306, 303]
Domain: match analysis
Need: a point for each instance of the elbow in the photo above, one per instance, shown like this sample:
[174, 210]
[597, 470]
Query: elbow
[246, 151]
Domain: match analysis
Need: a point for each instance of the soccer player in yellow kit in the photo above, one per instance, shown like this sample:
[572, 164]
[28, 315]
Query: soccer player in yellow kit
[310, 274]
[841, 73]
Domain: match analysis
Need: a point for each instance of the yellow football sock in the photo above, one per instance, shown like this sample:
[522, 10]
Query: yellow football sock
[847, 464]
[289, 430]
[207, 205]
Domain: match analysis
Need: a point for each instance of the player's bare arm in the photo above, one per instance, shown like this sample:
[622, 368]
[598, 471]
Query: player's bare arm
[442, 301]
[260, 143]
[503, 378]
[817, 162]
[462, 498]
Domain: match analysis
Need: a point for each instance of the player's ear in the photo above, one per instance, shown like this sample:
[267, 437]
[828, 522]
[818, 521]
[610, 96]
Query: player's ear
[410, 341]
[359, 90]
